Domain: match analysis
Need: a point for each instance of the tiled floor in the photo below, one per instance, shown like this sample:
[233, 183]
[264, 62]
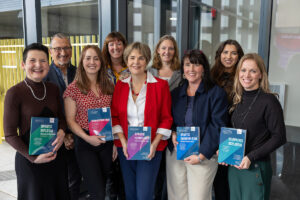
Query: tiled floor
[8, 183]
[285, 182]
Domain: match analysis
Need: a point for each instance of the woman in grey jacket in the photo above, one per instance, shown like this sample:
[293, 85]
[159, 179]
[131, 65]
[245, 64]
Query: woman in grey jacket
[166, 65]
[166, 62]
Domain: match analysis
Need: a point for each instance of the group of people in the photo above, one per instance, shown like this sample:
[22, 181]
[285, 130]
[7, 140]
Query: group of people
[233, 93]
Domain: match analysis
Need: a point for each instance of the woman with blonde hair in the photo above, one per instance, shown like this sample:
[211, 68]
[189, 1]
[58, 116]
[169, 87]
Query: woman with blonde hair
[259, 112]
[166, 64]
[90, 89]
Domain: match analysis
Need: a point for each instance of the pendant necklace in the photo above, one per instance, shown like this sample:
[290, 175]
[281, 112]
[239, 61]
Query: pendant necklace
[39, 99]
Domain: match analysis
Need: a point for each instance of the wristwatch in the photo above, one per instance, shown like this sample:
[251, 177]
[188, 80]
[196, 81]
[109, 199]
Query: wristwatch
[200, 160]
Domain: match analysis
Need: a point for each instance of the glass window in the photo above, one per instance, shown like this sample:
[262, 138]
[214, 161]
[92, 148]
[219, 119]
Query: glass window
[11, 48]
[75, 18]
[285, 58]
[141, 20]
[212, 22]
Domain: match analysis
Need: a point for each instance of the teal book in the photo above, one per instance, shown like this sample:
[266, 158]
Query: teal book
[188, 139]
[100, 123]
[138, 143]
[232, 146]
[43, 132]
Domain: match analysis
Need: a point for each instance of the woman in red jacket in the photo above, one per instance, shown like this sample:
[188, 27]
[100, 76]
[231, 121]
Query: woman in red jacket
[145, 101]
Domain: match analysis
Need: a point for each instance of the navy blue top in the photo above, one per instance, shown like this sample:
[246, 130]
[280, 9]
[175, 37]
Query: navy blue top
[189, 111]
[55, 76]
[209, 113]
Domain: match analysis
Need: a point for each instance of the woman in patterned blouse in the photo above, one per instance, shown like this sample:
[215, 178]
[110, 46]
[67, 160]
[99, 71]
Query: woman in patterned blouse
[90, 89]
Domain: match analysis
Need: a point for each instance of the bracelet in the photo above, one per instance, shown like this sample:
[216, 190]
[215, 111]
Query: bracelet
[200, 161]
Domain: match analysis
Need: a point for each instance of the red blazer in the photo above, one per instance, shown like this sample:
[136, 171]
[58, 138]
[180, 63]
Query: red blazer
[157, 112]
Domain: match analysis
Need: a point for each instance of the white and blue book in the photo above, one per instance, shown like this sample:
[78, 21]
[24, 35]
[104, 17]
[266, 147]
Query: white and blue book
[100, 123]
[43, 131]
[138, 143]
[188, 139]
[232, 146]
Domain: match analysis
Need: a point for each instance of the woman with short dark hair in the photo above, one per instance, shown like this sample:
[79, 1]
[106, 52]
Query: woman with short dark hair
[42, 176]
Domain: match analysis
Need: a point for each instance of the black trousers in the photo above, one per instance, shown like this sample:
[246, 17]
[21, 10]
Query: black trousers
[46, 181]
[160, 192]
[114, 185]
[94, 163]
[74, 175]
[221, 186]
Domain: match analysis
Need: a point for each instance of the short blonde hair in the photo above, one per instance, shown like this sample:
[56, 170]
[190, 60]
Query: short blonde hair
[263, 82]
[143, 49]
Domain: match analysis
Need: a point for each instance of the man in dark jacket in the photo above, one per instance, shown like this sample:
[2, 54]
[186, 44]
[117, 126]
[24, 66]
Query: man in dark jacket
[62, 73]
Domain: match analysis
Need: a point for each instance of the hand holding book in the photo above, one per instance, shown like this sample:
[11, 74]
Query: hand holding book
[94, 140]
[45, 158]
[59, 140]
[245, 164]
[194, 159]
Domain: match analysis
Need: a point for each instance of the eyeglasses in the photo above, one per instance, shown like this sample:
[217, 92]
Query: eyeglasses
[59, 49]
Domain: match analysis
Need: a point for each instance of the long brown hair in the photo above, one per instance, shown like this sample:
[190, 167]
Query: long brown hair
[218, 68]
[263, 82]
[157, 64]
[112, 36]
[83, 82]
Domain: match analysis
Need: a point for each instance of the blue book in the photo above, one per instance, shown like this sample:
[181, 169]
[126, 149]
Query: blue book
[232, 145]
[138, 143]
[188, 139]
[100, 123]
[43, 132]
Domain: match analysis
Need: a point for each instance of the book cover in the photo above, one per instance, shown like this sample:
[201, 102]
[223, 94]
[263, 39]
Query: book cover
[188, 139]
[43, 132]
[100, 123]
[232, 145]
[139, 141]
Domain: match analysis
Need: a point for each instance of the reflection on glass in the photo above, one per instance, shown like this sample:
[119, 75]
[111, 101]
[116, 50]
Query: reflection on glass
[11, 48]
[285, 57]
[75, 18]
[215, 21]
[141, 20]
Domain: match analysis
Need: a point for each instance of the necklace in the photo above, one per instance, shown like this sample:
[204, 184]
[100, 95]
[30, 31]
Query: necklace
[39, 99]
[132, 91]
[248, 110]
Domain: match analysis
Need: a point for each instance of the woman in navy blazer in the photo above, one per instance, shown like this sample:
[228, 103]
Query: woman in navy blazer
[196, 102]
